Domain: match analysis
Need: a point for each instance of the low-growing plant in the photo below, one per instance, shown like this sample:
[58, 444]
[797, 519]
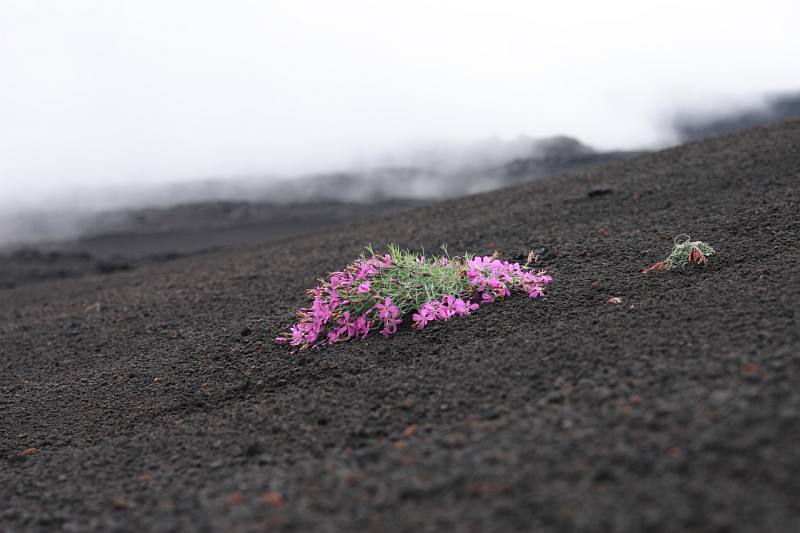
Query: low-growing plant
[380, 292]
[684, 252]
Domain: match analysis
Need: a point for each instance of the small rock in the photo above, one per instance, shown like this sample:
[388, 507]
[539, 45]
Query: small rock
[410, 430]
[274, 498]
[752, 372]
[455, 440]
[719, 397]
[594, 193]
[118, 502]
[29, 451]
[255, 448]
[615, 300]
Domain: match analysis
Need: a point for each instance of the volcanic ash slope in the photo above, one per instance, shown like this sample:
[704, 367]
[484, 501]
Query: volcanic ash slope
[155, 399]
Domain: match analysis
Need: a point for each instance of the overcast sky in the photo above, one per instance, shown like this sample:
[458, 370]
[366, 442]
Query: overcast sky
[110, 92]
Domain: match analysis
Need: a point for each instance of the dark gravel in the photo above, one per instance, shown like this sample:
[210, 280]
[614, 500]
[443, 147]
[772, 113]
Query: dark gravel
[156, 400]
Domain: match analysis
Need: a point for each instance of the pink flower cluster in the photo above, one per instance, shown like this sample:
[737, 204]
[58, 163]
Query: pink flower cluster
[490, 279]
[448, 307]
[348, 306]
[493, 278]
[328, 313]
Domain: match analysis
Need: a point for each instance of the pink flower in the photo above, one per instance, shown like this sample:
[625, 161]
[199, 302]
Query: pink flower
[480, 263]
[445, 309]
[303, 333]
[360, 327]
[354, 328]
[333, 335]
[341, 279]
[386, 309]
[364, 287]
[460, 307]
[426, 314]
[321, 311]
[334, 298]
[536, 292]
[365, 270]
[389, 326]
[477, 280]
[347, 326]
[389, 314]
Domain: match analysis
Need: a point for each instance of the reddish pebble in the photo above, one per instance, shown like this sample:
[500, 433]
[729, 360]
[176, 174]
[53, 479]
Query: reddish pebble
[119, 502]
[274, 498]
[410, 430]
[29, 451]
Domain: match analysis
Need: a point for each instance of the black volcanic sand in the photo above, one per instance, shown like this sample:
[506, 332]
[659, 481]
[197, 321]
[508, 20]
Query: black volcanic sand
[157, 400]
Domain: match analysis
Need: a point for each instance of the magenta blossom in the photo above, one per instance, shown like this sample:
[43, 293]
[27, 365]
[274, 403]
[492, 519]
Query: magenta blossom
[386, 309]
[390, 326]
[389, 314]
[460, 307]
[364, 287]
[445, 310]
[426, 314]
[361, 327]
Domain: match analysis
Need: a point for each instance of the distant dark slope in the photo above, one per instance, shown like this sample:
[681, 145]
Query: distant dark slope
[544, 157]
[698, 126]
[156, 399]
[558, 155]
